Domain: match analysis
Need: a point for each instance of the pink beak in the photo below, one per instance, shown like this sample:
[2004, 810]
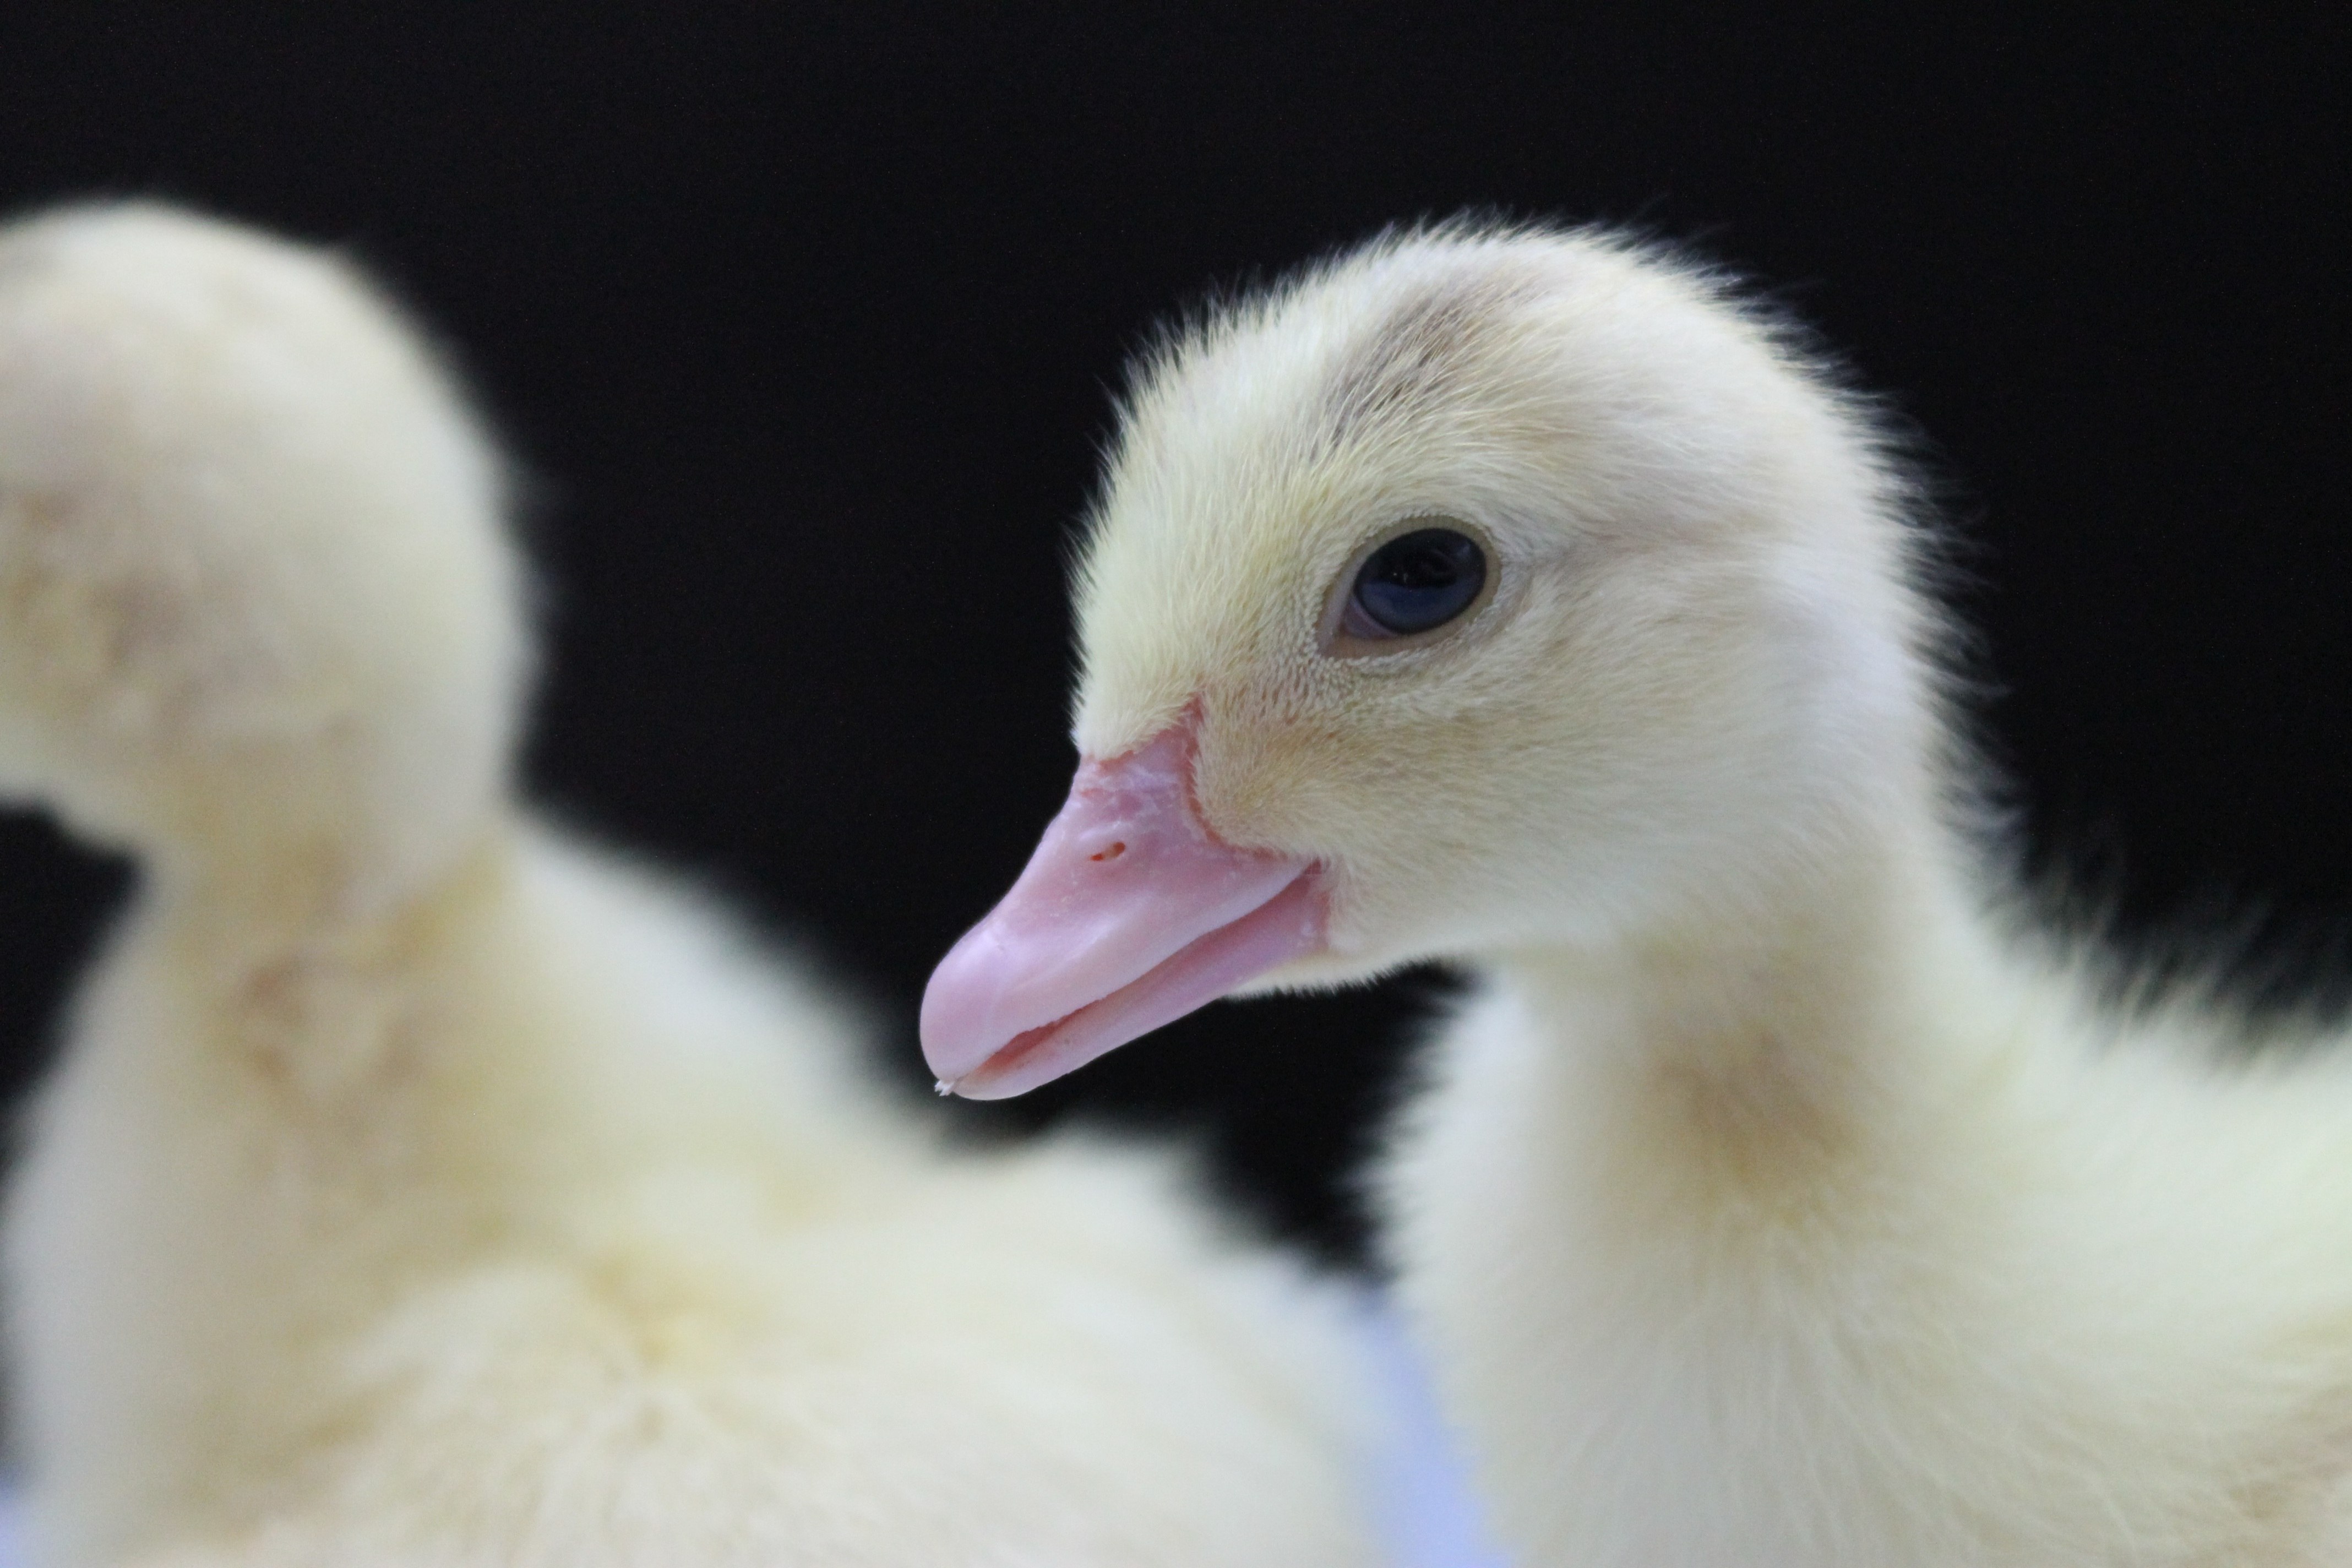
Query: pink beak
[1129, 915]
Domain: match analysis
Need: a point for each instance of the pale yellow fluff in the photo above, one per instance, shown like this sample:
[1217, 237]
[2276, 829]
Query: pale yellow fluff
[1779, 1199]
[421, 1187]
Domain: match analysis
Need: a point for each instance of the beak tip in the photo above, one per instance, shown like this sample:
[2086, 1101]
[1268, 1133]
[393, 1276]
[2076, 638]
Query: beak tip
[951, 1055]
[953, 1016]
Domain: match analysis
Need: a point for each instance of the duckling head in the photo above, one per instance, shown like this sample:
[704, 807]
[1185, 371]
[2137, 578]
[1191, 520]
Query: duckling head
[1482, 590]
[259, 619]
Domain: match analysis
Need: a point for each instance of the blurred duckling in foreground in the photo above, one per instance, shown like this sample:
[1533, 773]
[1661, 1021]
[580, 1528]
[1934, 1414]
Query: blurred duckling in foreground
[422, 1186]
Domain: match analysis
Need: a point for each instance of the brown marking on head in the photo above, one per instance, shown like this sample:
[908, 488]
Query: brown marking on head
[1427, 348]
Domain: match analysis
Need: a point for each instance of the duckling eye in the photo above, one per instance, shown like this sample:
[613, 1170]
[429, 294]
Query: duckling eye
[1415, 583]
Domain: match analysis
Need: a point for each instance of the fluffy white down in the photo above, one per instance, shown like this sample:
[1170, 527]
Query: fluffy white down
[421, 1187]
[1779, 1198]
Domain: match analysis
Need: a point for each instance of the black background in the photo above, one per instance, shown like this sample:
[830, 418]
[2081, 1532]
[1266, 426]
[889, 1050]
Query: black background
[802, 318]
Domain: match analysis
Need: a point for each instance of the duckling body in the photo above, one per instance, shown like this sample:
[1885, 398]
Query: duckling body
[423, 1185]
[1985, 1290]
[1780, 1195]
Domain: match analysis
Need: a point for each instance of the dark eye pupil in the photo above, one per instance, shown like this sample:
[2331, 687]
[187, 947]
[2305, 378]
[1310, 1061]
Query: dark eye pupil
[1420, 580]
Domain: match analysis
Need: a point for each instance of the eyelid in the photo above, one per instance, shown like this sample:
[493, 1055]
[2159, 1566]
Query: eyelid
[1354, 623]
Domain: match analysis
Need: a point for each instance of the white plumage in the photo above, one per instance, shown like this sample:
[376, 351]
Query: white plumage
[422, 1186]
[1779, 1197]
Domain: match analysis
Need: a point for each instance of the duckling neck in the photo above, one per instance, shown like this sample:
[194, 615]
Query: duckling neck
[1663, 1200]
[304, 965]
[1780, 1060]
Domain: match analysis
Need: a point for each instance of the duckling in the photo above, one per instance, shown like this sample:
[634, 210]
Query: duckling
[1784, 1193]
[422, 1184]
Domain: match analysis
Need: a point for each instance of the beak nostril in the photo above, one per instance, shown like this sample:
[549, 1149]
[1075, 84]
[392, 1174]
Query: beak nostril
[1117, 848]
